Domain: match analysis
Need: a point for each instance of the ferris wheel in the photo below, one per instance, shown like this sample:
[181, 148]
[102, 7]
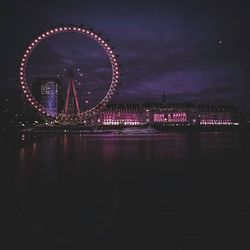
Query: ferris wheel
[81, 112]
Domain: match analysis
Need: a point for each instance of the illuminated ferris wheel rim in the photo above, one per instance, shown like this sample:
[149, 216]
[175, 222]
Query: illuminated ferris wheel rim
[62, 29]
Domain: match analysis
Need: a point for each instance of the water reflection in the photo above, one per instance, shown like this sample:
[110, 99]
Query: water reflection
[109, 155]
[71, 185]
[67, 210]
[64, 195]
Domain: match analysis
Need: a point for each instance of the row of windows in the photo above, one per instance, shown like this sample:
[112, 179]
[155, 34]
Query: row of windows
[174, 117]
[121, 123]
[211, 121]
[120, 120]
[121, 117]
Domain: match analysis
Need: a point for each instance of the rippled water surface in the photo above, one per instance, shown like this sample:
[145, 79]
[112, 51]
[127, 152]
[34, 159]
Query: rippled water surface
[179, 190]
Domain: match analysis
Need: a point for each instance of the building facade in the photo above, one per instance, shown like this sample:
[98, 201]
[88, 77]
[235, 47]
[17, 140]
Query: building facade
[216, 115]
[169, 114]
[49, 93]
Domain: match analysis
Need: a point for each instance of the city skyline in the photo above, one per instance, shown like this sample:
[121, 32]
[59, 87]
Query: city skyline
[194, 51]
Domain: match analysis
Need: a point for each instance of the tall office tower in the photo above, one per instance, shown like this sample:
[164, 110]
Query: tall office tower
[49, 93]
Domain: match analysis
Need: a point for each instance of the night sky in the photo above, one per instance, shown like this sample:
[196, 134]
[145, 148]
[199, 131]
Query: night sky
[190, 50]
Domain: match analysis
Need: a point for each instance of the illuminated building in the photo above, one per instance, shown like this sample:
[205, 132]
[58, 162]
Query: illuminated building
[118, 118]
[122, 114]
[172, 114]
[170, 117]
[48, 91]
[177, 117]
[159, 117]
[216, 115]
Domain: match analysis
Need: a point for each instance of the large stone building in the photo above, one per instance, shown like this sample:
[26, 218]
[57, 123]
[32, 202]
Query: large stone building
[171, 114]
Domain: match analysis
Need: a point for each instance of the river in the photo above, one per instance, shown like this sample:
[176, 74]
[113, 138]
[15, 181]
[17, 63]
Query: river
[178, 189]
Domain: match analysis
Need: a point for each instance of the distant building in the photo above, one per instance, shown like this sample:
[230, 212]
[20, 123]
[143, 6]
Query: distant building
[123, 114]
[169, 114]
[49, 93]
[216, 115]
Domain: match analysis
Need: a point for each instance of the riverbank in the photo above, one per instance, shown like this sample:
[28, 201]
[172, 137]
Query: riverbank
[132, 130]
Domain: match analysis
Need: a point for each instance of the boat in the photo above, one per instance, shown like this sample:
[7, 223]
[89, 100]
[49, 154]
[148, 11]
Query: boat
[137, 130]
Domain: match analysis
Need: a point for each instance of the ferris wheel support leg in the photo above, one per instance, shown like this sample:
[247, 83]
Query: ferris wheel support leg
[75, 97]
[67, 99]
